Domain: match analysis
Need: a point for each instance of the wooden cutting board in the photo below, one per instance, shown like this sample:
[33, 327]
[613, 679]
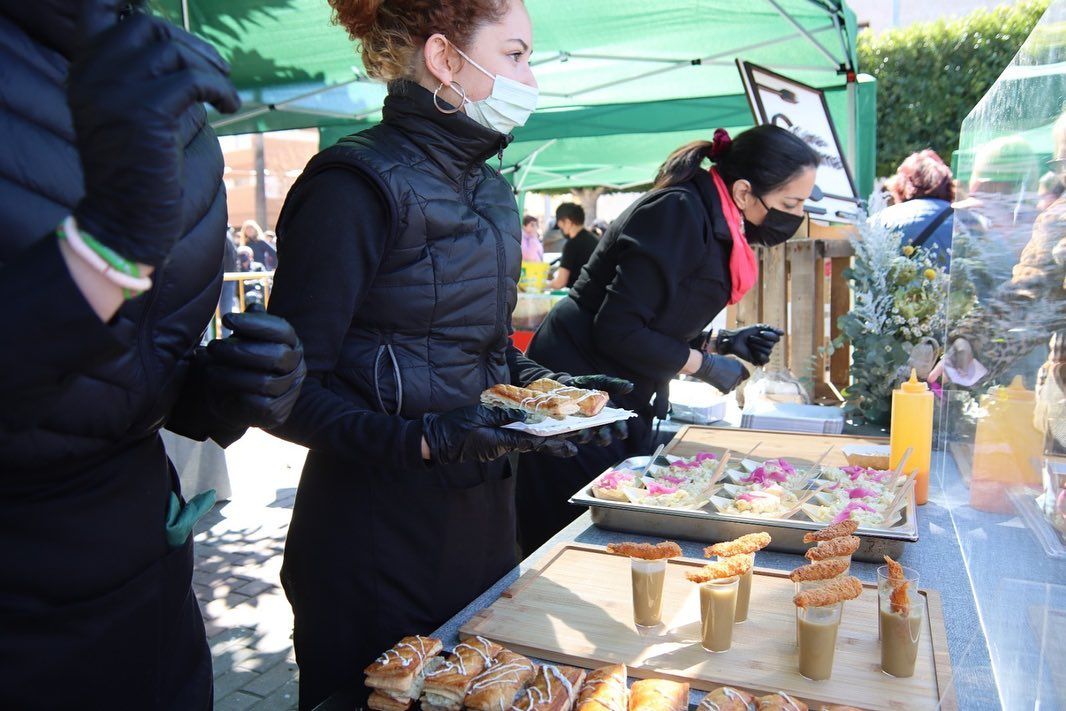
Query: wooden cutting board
[575, 608]
[798, 448]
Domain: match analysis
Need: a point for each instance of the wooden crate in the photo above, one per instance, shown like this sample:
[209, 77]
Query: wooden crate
[795, 294]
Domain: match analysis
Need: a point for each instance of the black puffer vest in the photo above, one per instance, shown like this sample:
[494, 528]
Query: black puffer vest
[106, 408]
[433, 329]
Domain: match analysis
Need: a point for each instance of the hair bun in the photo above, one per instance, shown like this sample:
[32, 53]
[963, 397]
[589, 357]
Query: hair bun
[721, 143]
[359, 17]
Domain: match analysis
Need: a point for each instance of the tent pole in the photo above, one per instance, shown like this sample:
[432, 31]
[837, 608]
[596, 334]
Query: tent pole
[853, 148]
[185, 15]
[687, 62]
[260, 110]
[806, 33]
[531, 159]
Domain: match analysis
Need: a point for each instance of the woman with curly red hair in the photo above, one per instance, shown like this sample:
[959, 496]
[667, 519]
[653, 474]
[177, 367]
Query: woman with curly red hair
[399, 256]
[923, 191]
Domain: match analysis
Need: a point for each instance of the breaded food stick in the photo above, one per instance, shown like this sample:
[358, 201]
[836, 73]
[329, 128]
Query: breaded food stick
[831, 593]
[751, 543]
[646, 551]
[835, 548]
[725, 568]
[822, 570]
[844, 528]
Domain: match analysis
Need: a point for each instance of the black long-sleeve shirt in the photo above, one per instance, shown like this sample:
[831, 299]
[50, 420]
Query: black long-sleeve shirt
[328, 258]
[658, 276]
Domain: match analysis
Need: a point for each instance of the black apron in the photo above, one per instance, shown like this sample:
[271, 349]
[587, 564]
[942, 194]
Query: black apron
[96, 612]
[372, 556]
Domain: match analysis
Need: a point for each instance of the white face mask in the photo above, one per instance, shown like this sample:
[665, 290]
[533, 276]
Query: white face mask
[509, 105]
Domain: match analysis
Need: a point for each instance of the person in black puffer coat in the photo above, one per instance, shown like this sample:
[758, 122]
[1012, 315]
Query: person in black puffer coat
[399, 256]
[105, 135]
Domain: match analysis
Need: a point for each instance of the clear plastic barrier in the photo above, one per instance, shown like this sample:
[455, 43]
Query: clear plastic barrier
[1002, 414]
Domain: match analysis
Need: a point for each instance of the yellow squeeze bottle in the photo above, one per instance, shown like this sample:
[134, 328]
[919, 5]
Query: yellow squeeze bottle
[912, 427]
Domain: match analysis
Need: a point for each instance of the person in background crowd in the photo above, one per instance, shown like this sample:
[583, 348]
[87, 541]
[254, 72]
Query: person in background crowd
[1008, 326]
[246, 260]
[923, 190]
[405, 510]
[666, 267]
[579, 245]
[228, 302]
[552, 239]
[271, 238]
[599, 228]
[532, 249]
[264, 253]
[1049, 190]
[108, 161]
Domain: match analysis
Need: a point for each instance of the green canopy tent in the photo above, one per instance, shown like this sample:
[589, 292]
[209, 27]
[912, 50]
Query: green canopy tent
[623, 82]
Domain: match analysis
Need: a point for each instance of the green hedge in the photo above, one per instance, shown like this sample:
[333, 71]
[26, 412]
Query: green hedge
[931, 74]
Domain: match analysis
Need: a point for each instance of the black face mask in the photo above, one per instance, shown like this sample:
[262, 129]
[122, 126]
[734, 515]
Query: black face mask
[776, 228]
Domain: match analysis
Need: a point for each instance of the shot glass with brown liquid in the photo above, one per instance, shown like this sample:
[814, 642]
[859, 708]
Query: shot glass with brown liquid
[648, 578]
[718, 605]
[817, 628]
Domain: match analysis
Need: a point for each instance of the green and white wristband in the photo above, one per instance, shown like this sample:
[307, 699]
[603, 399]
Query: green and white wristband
[117, 269]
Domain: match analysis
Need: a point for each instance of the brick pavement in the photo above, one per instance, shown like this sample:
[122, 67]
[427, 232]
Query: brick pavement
[239, 546]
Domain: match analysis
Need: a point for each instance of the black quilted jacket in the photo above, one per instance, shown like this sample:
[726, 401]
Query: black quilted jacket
[72, 389]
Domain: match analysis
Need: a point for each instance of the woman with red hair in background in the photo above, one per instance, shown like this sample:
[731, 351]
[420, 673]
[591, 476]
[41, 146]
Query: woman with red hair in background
[923, 190]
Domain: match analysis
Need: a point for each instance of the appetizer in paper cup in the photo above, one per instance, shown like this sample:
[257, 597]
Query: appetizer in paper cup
[865, 514]
[684, 483]
[761, 504]
[609, 485]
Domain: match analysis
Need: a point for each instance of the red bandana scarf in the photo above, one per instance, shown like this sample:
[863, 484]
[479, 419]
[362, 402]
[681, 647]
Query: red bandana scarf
[743, 266]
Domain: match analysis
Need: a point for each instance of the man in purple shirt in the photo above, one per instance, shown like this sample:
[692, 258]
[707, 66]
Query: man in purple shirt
[532, 249]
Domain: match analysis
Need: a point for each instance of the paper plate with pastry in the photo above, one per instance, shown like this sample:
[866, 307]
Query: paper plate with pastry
[589, 402]
[552, 408]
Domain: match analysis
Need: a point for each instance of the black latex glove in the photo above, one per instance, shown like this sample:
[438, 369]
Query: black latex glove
[130, 84]
[254, 375]
[753, 344]
[721, 372]
[601, 436]
[609, 385]
[474, 434]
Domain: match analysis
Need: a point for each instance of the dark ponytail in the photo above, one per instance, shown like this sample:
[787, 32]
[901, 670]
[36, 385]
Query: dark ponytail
[766, 156]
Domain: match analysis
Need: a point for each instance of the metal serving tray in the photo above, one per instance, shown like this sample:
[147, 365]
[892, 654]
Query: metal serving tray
[711, 526]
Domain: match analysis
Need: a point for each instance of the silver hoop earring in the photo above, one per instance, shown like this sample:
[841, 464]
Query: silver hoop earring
[458, 89]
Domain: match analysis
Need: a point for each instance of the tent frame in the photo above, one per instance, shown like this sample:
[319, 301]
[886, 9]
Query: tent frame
[717, 58]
